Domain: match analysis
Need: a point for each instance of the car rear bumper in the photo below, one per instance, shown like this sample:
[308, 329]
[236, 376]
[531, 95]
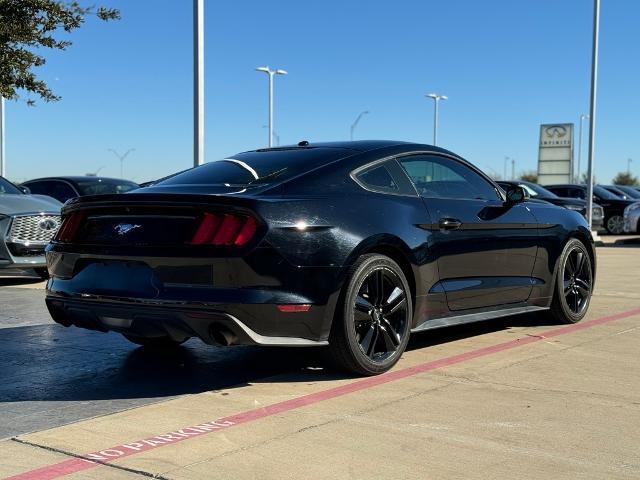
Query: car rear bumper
[214, 326]
[220, 300]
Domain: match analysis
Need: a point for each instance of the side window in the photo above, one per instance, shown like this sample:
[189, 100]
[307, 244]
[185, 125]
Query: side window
[62, 191]
[577, 193]
[438, 177]
[379, 179]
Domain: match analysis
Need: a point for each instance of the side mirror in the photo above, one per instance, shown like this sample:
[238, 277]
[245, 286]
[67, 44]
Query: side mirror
[517, 194]
[24, 189]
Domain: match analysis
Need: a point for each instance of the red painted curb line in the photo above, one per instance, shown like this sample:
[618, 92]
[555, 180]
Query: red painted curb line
[94, 459]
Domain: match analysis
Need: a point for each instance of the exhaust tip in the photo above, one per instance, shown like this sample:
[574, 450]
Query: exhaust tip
[222, 335]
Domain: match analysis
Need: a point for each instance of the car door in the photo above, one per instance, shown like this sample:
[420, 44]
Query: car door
[485, 249]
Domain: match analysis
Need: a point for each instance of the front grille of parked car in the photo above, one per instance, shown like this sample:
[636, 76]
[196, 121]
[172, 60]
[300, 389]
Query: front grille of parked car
[26, 229]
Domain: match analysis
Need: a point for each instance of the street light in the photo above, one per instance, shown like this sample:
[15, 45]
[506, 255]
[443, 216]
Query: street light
[629, 166]
[198, 82]
[271, 73]
[592, 108]
[121, 158]
[436, 99]
[355, 124]
[582, 117]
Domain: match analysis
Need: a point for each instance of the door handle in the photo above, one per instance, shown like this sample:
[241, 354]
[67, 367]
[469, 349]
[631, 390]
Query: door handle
[449, 224]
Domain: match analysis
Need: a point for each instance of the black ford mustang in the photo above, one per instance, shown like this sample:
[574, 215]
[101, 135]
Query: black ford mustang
[353, 245]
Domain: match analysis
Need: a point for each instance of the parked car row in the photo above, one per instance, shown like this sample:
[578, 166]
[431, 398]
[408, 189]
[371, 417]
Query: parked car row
[30, 215]
[616, 208]
[66, 188]
[541, 194]
[613, 205]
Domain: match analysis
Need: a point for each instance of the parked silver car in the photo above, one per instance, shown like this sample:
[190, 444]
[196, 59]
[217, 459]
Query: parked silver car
[27, 224]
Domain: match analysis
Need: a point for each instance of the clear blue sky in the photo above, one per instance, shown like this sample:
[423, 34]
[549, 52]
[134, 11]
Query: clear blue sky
[506, 65]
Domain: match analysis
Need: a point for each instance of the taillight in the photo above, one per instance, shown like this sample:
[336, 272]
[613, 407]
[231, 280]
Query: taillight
[224, 229]
[67, 231]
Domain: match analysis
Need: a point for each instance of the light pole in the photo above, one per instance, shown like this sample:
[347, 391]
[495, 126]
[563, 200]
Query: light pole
[198, 82]
[513, 169]
[495, 174]
[582, 117]
[436, 100]
[275, 136]
[355, 124]
[94, 174]
[121, 158]
[271, 73]
[3, 159]
[592, 108]
[629, 166]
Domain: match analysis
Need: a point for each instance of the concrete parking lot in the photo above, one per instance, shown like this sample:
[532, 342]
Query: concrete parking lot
[512, 398]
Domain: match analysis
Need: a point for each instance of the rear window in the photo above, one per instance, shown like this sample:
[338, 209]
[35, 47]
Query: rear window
[101, 186]
[260, 167]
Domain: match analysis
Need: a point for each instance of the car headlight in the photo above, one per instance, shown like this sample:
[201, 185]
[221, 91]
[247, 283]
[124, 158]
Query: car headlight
[575, 208]
[631, 208]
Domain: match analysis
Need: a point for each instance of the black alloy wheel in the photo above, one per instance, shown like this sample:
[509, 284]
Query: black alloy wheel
[574, 284]
[373, 330]
[380, 314]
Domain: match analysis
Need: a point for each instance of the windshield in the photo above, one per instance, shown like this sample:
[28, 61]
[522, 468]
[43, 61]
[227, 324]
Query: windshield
[629, 191]
[7, 187]
[604, 193]
[259, 167]
[537, 191]
[100, 186]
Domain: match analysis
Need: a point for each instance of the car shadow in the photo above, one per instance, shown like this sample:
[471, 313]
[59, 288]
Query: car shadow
[50, 363]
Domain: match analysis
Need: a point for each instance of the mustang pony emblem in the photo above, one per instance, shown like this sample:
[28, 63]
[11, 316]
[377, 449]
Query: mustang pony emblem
[124, 228]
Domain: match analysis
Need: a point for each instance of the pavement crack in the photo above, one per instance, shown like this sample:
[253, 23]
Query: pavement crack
[74, 455]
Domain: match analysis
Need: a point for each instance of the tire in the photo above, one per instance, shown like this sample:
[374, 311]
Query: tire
[572, 292]
[42, 272]
[371, 327]
[615, 225]
[155, 343]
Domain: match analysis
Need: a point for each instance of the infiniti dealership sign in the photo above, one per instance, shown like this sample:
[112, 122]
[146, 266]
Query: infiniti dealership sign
[555, 153]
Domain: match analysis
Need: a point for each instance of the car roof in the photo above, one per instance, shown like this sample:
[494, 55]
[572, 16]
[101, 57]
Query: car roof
[357, 145]
[77, 178]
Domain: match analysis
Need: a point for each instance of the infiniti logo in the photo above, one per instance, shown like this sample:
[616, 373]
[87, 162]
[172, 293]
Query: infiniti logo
[124, 228]
[557, 131]
[48, 224]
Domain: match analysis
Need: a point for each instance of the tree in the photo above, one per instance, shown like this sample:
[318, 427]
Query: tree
[584, 179]
[29, 26]
[529, 177]
[625, 178]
